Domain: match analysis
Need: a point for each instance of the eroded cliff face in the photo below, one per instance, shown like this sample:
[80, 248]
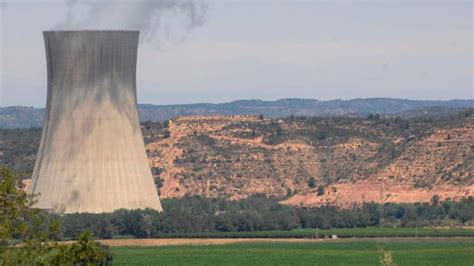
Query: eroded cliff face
[354, 160]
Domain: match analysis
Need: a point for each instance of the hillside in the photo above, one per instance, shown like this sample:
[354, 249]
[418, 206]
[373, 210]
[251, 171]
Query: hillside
[307, 161]
[17, 116]
[240, 156]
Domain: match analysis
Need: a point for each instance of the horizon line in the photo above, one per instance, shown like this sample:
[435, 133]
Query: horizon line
[280, 99]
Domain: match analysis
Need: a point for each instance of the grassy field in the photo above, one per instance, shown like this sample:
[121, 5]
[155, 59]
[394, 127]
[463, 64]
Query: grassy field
[407, 251]
[342, 232]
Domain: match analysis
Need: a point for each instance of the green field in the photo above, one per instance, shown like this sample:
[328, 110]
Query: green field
[341, 233]
[428, 251]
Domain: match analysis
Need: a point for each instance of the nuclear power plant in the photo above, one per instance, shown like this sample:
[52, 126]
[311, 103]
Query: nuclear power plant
[91, 156]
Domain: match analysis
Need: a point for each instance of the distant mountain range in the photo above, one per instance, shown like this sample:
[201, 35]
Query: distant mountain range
[20, 116]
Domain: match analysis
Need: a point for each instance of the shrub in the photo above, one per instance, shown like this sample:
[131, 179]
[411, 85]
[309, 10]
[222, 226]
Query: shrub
[320, 190]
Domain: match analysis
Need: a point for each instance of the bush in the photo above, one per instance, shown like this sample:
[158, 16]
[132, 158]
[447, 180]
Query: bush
[84, 252]
[320, 190]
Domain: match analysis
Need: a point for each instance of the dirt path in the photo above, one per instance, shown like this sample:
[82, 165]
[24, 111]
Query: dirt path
[196, 241]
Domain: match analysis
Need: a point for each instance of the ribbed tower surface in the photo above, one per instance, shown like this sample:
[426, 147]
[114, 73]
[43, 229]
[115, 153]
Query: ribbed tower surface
[91, 156]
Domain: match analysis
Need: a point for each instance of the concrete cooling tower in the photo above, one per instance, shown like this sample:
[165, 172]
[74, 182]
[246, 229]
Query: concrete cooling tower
[91, 156]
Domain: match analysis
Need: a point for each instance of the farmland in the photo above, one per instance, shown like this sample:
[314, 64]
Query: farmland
[340, 232]
[405, 251]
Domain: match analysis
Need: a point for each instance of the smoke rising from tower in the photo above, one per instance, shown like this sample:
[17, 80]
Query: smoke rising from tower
[157, 20]
[92, 156]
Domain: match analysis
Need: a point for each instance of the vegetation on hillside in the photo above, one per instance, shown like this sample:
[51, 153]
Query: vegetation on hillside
[18, 148]
[236, 157]
[239, 156]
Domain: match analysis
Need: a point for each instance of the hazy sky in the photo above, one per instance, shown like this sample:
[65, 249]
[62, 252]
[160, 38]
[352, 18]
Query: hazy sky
[270, 50]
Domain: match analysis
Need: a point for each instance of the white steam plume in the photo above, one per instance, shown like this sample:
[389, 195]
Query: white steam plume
[157, 20]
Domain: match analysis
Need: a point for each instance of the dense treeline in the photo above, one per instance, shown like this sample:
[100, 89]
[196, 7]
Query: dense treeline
[258, 213]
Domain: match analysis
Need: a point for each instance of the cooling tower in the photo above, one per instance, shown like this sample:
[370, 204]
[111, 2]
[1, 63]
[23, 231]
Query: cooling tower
[91, 156]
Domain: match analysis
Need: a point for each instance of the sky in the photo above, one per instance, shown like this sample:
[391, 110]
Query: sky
[270, 50]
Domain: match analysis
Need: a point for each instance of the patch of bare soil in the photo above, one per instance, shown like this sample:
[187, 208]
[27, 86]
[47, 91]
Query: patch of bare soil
[155, 242]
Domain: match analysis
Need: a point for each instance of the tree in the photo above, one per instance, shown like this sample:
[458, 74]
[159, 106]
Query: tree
[19, 223]
[322, 135]
[83, 252]
[27, 236]
[311, 182]
[435, 200]
[320, 190]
